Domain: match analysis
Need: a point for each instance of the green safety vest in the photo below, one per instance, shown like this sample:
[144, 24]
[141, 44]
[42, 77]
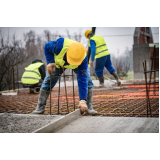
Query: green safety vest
[101, 48]
[59, 58]
[32, 74]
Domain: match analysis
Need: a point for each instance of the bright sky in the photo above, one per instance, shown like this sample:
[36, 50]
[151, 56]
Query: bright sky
[114, 36]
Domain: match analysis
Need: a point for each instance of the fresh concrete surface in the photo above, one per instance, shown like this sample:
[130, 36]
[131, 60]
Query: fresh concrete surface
[59, 123]
[24, 123]
[107, 83]
[91, 124]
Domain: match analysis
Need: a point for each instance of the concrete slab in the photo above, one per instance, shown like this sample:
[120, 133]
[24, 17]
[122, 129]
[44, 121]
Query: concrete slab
[107, 83]
[59, 123]
[24, 123]
[92, 124]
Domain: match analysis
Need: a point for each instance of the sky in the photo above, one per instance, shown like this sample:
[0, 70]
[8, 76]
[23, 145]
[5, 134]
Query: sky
[116, 38]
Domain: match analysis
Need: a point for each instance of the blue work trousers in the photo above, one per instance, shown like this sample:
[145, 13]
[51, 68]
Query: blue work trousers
[46, 82]
[103, 62]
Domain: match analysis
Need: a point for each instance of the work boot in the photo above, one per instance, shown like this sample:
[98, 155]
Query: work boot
[43, 96]
[90, 110]
[117, 78]
[101, 81]
[36, 90]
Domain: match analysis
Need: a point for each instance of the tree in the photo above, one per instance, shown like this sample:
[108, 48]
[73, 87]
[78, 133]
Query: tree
[123, 63]
[11, 54]
[47, 35]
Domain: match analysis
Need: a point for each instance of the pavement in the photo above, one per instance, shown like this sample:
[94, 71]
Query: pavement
[107, 83]
[24, 123]
[93, 124]
[75, 123]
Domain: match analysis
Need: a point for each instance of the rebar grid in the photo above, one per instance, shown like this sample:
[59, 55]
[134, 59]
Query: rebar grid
[126, 102]
[154, 69]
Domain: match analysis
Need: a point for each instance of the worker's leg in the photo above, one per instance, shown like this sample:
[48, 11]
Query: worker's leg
[112, 71]
[45, 91]
[35, 88]
[90, 110]
[100, 63]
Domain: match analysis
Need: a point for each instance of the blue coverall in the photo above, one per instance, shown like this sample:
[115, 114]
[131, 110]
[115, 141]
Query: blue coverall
[83, 74]
[101, 62]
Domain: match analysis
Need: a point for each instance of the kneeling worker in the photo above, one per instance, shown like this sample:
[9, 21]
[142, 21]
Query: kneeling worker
[33, 76]
[72, 55]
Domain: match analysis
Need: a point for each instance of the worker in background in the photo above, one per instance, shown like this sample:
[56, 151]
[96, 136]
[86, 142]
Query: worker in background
[72, 55]
[34, 75]
[99, 51]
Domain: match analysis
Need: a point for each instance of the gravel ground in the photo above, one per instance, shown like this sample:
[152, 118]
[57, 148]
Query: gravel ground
[23, 123]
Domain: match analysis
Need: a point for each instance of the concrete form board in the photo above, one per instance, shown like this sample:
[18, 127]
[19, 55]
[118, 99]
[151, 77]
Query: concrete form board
[140, 54]
[59, 123]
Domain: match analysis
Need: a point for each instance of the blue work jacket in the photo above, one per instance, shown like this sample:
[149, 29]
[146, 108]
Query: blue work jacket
[55, 47]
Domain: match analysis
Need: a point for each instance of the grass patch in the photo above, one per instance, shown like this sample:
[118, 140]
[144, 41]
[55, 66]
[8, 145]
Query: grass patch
[129, 76]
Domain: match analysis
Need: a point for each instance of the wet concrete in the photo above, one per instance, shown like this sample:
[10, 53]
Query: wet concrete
[112, 125]
[24, 123]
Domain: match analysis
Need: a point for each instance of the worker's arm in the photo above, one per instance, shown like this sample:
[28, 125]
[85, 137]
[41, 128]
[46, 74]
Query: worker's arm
[42, 71]
[93, 49]
[83, 80]
[49, 52]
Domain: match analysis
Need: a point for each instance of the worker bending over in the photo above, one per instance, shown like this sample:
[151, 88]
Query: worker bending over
[72, 55]
[33, 76]
[99, 51]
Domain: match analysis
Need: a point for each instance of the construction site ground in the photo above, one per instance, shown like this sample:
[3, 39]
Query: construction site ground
[112, 125]
[125, 104]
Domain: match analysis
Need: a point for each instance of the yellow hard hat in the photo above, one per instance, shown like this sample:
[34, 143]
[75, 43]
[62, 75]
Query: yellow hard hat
[76, 53]
[87, 32]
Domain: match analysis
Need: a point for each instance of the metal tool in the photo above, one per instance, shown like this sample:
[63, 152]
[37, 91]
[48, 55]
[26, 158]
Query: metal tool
[50, 87]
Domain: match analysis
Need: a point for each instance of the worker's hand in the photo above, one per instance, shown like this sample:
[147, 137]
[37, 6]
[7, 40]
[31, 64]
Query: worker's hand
[83, 106]
[51, 67]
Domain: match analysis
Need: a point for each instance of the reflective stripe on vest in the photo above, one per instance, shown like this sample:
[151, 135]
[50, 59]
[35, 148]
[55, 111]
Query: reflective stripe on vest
[101, 45]
[33, 71]
[102, 51]
[32, 74]
[101, 48]
[59, 58]
[30, 78]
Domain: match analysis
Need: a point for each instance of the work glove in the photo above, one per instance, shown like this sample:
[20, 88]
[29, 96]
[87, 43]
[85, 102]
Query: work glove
[83, 106]
[51, 67]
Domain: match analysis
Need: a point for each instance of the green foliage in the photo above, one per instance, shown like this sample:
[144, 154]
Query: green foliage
[129, 76]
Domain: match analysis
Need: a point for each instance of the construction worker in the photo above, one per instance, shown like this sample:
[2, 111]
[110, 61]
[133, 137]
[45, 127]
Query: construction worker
[33, 76]
[72, 55]
[99, 51]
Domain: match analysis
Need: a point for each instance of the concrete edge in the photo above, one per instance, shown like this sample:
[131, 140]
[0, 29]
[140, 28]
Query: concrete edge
[59, 123]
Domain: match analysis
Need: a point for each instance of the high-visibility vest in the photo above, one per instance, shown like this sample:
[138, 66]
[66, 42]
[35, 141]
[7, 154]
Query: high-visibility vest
[59, 58]
[101, 48]
[32, 74]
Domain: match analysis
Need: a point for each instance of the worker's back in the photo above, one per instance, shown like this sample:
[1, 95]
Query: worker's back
[101, 48]
[32, 74]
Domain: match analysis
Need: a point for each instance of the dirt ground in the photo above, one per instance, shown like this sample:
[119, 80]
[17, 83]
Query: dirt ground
[23, 123]
[128, 101]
